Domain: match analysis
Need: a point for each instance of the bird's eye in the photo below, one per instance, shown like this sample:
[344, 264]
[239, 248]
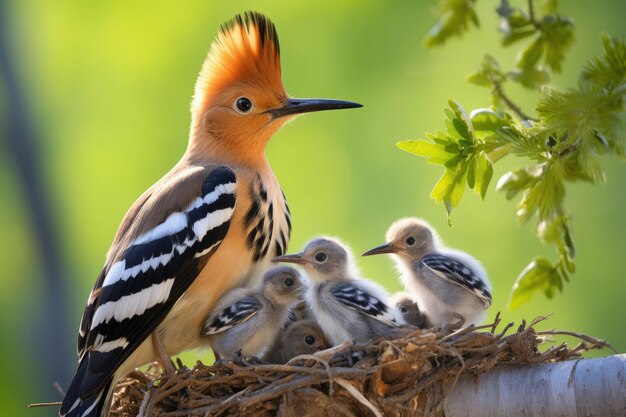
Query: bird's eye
[320, 256]
[243, 105]
[309, 340]
[404, 310]
[288, 282]
[410, 241]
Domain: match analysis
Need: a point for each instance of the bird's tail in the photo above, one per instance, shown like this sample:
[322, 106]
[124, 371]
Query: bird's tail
[76, 406]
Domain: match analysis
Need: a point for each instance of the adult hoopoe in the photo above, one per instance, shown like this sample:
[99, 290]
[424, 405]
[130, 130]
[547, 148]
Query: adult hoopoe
[210, 224]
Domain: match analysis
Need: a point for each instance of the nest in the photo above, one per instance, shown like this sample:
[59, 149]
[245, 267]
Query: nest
[409, 375]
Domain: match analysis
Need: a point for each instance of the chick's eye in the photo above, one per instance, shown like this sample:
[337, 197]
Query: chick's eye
[288, 282]
[243, 104]
[309, 340]
[410, 241]
[320, 257]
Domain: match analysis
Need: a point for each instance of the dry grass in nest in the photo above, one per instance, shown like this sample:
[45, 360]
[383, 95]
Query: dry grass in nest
[403, 376]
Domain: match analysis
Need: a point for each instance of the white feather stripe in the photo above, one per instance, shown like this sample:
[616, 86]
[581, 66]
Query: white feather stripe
[122, 342]
[96, 401]
[123, 308]
[175, 223]
[211, 221]
[115, 273]
[228, 188]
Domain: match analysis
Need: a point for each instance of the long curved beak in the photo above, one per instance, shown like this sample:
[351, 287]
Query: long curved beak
[296, 258]
[384, 248]
[307, 105]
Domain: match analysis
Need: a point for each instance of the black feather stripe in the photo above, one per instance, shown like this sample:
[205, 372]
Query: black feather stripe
[224, 201]
[99, 367]
[252, 213]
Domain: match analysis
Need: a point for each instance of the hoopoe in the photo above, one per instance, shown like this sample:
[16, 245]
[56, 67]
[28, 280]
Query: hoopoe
[447, 284]
[347, 306]
[210, 224]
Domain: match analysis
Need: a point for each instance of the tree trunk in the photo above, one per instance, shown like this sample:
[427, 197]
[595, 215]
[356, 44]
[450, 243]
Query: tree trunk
[587, 387]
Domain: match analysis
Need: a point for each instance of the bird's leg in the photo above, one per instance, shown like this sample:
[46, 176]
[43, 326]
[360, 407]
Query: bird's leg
[164, 357]
[450, 327]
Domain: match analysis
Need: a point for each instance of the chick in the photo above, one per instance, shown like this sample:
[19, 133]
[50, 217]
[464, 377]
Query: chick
[447, 284]
[300, 338]
[347, 306]
[410, 310]
[249, 320]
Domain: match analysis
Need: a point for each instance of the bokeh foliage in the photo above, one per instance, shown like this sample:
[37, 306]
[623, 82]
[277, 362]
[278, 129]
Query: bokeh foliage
[109, 86]
[572, 129]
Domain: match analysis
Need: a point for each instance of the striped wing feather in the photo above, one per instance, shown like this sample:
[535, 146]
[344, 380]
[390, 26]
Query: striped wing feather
[138, 288]
[457, 272]
[242, 310]
[362, 301]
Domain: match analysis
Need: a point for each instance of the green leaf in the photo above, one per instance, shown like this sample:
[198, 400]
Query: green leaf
[434, 152]
[517, 35]
[484, 173]
[450, 187]
[530, 56]
[455, 17]
[608, 71]
[471, 173]
[537, 276]
[544, 196]
[480, 78]
[463, 117]
[487, 120]
[530, 78]
[461, 128]
[513, 182]
[558, 37]
[488, 73]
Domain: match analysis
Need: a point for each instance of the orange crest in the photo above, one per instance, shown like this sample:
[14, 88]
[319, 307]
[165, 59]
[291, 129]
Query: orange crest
[246, 51]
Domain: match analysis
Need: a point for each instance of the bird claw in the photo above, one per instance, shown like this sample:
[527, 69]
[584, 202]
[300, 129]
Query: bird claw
[451, 327]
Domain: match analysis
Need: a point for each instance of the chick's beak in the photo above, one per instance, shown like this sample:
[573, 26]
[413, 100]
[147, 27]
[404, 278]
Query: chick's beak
[384, 248]
[306, 105]
[296, 258]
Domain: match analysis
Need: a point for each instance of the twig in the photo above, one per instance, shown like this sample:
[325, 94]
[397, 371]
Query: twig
[358, 396]
[531, 14]
[595, 342]
[499, 91]
[49, 404]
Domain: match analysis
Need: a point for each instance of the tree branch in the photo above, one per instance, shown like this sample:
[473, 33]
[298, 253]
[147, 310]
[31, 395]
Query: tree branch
[582, 387]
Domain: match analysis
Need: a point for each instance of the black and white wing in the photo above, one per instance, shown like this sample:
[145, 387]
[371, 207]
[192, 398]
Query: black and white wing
[242, 310]
[364, 302]
[459, 273]
[145, 275]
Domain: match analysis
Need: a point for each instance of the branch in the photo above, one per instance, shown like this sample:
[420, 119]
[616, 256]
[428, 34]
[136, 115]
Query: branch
[497, 89]
[531, 14]
[582, 387]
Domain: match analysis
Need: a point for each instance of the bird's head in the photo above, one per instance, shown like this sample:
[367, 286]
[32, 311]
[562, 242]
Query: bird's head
[239, 100]
[323, 258]
[409, 239]
[282, 285]
[408, 308]
[304, 337]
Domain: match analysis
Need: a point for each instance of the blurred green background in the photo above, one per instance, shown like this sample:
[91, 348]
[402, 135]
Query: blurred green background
[108, 86]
